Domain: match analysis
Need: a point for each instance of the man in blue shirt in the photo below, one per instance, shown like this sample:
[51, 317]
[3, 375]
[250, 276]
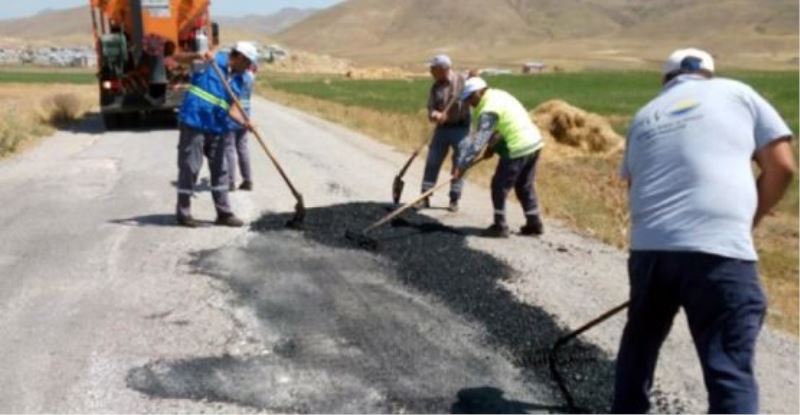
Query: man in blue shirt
[694, 203]
[204, 121]
[236, 146]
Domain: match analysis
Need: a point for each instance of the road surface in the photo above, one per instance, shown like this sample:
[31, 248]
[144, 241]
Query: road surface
[107, 306]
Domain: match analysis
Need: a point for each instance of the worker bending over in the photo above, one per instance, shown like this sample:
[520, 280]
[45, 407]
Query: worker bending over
[505, 128]
[204, 122]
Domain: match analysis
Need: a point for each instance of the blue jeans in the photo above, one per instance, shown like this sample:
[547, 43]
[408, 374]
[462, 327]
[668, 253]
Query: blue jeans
[444, 139]
[725, 307]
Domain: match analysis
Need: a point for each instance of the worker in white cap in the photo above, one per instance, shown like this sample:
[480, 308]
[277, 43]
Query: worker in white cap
[504, 126]
[452, 120]
[204, 122]
[237, 149]
[694, 204]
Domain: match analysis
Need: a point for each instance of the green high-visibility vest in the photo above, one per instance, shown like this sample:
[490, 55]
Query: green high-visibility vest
[209, 97]
[520, 136]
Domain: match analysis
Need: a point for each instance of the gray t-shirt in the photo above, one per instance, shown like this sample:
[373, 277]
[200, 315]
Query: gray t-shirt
[688, 156]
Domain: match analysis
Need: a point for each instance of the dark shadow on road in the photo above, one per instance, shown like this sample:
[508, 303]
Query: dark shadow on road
[92, 123]
[490, 400]
[163, 220]
[364, 338]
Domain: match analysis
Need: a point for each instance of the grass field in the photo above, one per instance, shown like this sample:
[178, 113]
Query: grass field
[581, 190]
[46, 76]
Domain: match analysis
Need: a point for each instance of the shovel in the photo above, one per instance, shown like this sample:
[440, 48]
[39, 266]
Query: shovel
[299, 209]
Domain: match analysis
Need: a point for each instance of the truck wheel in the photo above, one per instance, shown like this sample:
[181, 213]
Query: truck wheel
[111, 121]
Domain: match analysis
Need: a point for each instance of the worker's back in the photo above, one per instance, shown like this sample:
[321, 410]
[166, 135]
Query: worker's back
[689, 156]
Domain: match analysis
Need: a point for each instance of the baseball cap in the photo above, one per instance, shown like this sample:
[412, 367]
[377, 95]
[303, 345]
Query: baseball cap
[249, 50]
[441, 61]
[689, 60]
[472, 86]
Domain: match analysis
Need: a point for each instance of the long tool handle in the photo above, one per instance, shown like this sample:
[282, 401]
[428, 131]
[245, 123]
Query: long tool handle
[408, 206]
[438, 187]
[426, 141]
[605, 316]
[260, 140]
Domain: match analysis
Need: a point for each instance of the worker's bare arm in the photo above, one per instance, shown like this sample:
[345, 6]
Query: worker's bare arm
[778, 167]
[186, 58]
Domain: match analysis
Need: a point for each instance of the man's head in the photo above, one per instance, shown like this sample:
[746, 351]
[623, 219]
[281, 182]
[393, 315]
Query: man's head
[440, 67]
[688, 61]
[473, 91]
[243, 56]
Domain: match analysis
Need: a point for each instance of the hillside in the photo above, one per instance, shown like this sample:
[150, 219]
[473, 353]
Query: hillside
[269, 24]
[61, 27]
[633, 33]
[73, 27]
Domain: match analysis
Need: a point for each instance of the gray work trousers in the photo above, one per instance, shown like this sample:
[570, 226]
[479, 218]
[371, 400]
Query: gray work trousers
[192, 145]
[444, 139]
[519, 174]
[236, 148]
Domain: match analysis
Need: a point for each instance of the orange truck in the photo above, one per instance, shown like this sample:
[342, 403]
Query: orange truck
[135, 40]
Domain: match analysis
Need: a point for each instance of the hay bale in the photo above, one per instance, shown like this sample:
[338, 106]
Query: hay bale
[574, 127]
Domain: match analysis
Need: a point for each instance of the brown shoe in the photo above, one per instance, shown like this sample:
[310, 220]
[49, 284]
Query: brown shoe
[229, 220]
[496, 231]
[186, 221]
[247, 186]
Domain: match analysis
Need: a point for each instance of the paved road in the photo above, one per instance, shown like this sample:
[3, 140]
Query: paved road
[106, 306]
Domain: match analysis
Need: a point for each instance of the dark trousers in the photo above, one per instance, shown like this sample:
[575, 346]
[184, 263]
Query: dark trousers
[237, 149]
[725, 307]
[192, 145]
[519, 174]
[444, 140]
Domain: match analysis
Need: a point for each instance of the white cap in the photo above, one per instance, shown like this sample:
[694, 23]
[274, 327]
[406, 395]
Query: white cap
[472, 86]
[249, 50]
[689, 60]
[441, 61]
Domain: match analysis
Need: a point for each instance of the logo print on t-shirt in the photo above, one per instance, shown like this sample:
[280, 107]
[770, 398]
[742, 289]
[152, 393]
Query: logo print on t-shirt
[683, 107]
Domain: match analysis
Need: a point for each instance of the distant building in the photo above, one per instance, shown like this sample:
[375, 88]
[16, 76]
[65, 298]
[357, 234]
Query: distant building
[533, 67]
[495, 71]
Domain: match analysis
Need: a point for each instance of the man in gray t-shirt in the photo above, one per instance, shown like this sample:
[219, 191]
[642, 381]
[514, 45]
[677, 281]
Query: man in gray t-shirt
[694, 203]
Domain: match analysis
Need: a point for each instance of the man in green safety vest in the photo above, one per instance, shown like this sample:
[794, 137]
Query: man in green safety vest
[204, 122]
[505, 128]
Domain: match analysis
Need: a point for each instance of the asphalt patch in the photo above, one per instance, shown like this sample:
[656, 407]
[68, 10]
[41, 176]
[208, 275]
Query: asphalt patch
[366, 342]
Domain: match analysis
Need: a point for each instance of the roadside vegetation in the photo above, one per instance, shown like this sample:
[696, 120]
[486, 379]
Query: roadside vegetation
[580, 188]
[31, 107]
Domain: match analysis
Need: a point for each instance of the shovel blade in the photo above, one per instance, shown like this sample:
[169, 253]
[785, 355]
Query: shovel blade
[299, 217]
[397, 189]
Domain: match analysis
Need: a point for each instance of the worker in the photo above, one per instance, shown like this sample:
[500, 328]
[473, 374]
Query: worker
[505, 128]
[452, 120]
[203, 119]
[236, 146]
[694, 204]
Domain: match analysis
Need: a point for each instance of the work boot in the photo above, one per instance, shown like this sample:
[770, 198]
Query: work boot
[230, 220]
[247, 186]
[453, 208]
[232, 187]
[186, 221]
[423, 204]
[496, 231]
[534, 227]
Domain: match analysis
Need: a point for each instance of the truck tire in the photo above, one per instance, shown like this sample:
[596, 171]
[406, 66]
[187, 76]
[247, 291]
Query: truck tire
[111, 121]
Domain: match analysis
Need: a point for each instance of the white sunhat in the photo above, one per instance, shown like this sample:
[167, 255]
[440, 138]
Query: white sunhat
[441, 61]
[690, 60]
[249, 50]
[472, 86]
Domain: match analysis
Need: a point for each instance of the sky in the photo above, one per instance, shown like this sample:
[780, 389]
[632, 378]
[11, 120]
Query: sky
[15, 8]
